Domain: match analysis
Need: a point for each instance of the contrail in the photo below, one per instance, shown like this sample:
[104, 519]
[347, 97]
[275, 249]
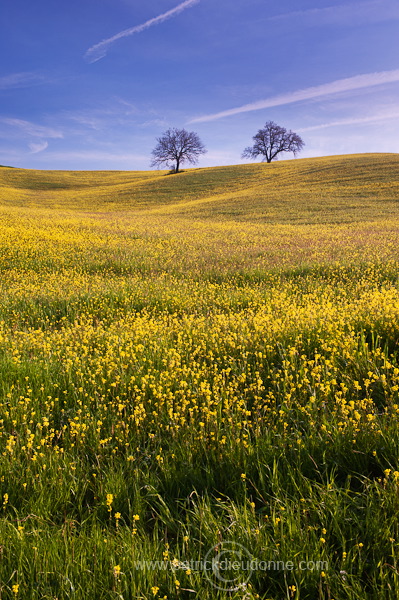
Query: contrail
[350, 121]
[340, 85]
[99, 50]
[375, 10]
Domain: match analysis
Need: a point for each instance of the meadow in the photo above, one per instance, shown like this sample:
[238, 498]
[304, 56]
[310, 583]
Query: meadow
[201, 367]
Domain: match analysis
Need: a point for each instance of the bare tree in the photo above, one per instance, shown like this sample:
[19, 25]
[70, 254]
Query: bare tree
[175, 147]
[271, 141]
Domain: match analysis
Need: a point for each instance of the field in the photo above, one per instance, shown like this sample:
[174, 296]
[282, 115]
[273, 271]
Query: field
[201, 370]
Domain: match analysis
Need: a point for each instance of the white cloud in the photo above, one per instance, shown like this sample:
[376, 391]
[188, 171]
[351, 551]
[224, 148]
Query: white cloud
[17, 80]
[37, 147]
[353, 121]
[318, 91]
[130, 109]
[97, 155]
[99, 50]
[32, 129]
[351, 12]
[154, 123]
[90, 122]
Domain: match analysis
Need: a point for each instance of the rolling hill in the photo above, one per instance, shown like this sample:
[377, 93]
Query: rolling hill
[330, 189]
[196, 359]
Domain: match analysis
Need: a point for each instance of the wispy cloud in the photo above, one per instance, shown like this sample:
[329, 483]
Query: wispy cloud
[99, 50]
[340, 85]
[31, 129]
[126, 159]
[154, 123]
[86, 121]
[18, 80]
[353, 121]
[129, 108]
[351, 12]
[39, 147]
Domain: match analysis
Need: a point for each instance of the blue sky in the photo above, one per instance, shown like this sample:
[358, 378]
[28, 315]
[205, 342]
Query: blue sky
[91, 84]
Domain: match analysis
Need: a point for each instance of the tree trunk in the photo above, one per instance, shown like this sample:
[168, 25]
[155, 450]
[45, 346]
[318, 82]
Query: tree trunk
[177, 165]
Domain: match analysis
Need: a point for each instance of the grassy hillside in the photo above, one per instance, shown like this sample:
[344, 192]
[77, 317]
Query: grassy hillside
[330, 189]
[200, 367]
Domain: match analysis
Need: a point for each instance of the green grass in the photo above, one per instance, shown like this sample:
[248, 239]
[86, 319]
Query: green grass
[318, 190]
[196, 363]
